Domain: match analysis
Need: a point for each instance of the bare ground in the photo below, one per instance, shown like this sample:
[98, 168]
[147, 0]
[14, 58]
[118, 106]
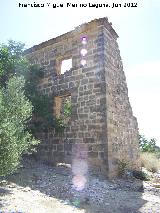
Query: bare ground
[38, 188]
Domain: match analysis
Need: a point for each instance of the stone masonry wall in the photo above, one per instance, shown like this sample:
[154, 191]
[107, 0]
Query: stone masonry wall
[87, 88]
[102, 126]
[122, 127]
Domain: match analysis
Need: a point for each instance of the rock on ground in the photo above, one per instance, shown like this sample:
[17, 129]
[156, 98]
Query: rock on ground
[38, 188]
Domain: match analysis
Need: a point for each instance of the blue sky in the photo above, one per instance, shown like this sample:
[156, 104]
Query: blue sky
[139, 34]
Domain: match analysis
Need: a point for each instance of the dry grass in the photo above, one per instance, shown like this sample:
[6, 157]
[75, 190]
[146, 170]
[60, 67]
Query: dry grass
[150, 161]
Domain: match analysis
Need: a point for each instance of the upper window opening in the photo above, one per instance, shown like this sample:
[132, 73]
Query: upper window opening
[66, 65]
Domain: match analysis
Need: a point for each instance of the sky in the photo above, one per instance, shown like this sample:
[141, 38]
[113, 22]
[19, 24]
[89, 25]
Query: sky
[139, 33]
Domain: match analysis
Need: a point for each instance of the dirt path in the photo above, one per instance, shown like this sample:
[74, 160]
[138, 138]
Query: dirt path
[38, 188]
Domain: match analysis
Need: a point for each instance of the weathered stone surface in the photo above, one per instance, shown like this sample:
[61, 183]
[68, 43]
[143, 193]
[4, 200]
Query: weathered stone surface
[102, 122]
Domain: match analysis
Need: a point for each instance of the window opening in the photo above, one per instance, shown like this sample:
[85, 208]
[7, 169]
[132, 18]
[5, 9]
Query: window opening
[66, 65]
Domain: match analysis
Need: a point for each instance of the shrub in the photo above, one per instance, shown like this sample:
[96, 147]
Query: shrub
[150, 161]
[147, 145]
[122, 167]
[62, 121]
[140, 175]
[15, 112]
[13, 62]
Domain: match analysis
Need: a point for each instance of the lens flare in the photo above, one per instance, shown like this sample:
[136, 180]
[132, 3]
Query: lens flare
[84, 40]
[79, 182]
[83, 52]
[79, 167]
[79, 170]
[83, 62]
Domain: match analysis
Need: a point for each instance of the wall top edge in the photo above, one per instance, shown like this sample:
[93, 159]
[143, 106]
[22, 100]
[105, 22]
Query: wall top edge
[78, 30]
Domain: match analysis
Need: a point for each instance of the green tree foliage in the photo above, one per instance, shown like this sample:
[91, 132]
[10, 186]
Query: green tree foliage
[15, 112]
[19, 101]
[11, 61]
[15, 107]
[42, 106]
[14, 63]
[147, 145]
[62, 121]
[67, 109]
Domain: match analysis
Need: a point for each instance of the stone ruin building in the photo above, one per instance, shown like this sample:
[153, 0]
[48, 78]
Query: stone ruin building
[102, 129]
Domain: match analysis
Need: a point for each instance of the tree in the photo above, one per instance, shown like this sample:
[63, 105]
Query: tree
[147, 145]
[14, 63]
[15, 112]
[42, 118]
[11, 61]
[15, 108]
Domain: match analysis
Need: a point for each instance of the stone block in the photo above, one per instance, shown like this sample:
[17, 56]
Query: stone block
[98, 147]
[71, 84]
[67, 147]
[93, 154]
[88, 140]
[60, 147]
[101, 155]
[74, 99]
[90, 74]
[90, 102]
[82, 116]
[84, 81]
[83, 127]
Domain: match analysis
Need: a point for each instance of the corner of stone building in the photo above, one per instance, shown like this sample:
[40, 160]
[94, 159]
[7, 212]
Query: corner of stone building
[102, 117]
[122, 126]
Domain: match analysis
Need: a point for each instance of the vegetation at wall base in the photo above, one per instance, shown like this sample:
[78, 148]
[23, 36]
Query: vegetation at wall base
[122, 167]
[150, 154]
[18, 102]
[15, 112]
[140, 175]
[24, 110]
[150, 161]
[62, 121]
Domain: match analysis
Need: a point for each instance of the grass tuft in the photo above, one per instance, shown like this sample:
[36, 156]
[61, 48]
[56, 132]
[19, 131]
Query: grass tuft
[150, 161]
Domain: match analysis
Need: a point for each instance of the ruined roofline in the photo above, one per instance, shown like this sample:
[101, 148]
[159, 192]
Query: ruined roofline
[81, 28]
